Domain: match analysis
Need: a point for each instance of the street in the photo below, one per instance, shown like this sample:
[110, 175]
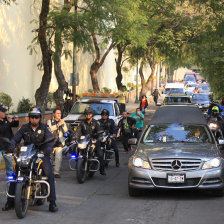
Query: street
[105, 199]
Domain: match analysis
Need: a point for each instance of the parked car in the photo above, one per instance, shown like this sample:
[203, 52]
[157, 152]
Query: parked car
[172, 155]
[174, 99]
[201, 100]
[76, 115]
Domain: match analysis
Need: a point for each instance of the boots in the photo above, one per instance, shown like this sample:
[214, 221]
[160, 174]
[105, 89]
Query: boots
[53, 207]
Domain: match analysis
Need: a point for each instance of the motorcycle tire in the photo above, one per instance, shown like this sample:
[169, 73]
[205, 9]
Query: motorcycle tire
[21, 203]
[81, 172]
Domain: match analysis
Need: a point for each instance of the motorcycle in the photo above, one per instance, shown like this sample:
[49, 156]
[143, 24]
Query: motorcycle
[31, 182]
[105, 144]
[85, 156]
[215, 128]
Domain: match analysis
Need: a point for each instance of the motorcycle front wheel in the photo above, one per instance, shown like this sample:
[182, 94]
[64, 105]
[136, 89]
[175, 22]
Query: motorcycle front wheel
[21, 202]
[81, 170]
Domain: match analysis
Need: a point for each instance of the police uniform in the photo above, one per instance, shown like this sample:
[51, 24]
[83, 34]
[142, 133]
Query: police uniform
[38, 136]
[91, 128]
[109, 125]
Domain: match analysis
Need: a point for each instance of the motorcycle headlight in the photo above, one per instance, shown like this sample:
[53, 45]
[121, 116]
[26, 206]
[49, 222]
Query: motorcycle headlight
[213, 126]
[103, 139]
[82, 146]
[138, 162]
[213, 163]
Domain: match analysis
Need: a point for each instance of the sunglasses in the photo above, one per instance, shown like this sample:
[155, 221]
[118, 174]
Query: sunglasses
[34, 116]
[104, 115]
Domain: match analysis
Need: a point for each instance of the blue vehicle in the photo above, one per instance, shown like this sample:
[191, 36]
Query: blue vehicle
[190, 77]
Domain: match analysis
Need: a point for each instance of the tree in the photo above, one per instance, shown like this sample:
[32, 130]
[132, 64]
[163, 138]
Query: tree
[42, 92]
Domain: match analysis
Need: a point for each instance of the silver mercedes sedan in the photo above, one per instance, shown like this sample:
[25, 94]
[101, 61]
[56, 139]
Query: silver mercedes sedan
[177, 150]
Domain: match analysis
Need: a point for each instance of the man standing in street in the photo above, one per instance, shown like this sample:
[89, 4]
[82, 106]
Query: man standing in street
[122, 96]
[126, 125]
[6, 124]
[57, 127]
[156, 95]
[139, 117]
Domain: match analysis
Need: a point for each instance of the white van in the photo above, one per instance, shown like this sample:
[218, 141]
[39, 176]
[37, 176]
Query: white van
[174, 88]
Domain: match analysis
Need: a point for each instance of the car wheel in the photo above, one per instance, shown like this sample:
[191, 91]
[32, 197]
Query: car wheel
[219, 192]
[133, 192]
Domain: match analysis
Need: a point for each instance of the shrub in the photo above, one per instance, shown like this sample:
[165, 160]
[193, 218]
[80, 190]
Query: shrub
[107, 90]
[24, 105]
[6, 100]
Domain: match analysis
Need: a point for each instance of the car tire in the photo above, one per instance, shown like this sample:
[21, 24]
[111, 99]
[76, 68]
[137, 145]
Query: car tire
[133, 192]
[219, 192]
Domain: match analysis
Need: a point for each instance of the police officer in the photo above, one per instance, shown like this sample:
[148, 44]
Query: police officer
[6, 124]
[35, 133]
[109, 125]
[92, 127]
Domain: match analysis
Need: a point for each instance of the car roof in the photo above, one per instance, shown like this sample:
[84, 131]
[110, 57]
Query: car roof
[178, 114]
[174, 85]
[177, 95]
[97, 100]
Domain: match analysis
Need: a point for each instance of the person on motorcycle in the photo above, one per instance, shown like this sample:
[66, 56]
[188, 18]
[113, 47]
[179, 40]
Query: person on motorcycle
[35, 132]
[215, 114]
[92, 127]
[212, 104]
[108, 124]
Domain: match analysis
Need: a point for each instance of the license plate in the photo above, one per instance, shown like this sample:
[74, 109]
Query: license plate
[176, 178]
[23, 149]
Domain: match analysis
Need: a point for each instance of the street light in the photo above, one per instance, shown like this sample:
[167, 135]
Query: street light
[136, 99]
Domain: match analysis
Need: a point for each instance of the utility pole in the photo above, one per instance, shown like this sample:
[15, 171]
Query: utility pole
[74, 67]
[136, 99]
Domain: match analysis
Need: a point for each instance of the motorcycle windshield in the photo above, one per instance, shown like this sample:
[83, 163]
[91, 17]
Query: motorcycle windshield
[27, 151]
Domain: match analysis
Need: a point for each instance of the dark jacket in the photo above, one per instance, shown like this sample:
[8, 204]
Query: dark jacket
[6, 131]
[131, 121]
[33, 137]
[85, 128]
[109, 125]
[146, 105]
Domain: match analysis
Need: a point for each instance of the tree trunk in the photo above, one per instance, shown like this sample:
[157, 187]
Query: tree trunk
[62, 84]
[42, 92]
[98, 63]
[119, 66]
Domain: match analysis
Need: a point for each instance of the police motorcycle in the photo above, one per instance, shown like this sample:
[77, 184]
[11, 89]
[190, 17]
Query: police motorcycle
[215, 128]
[87, 162]
[105, 144]
[31, 182]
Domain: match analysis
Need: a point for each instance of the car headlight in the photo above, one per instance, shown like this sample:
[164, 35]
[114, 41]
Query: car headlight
[213, 163]
[138, 162]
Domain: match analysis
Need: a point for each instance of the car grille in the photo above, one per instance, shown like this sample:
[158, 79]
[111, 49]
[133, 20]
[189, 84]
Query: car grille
[191, 182]
[169, 164]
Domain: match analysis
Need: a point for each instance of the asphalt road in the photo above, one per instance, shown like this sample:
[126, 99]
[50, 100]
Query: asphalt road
[105, 200]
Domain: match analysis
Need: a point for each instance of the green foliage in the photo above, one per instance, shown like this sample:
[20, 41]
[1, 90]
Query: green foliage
[90, 90]
[107, 90]
[24, 105]
[6, 100]
[130, 86]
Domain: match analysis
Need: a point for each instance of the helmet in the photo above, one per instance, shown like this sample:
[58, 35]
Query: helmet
[88, 110]
[3, 108]
[35, 111]
[215, 109]
[105, 111]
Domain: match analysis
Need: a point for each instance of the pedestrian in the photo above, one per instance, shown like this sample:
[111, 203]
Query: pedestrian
[122, 97]
[143, 104]
[126, 125]
[57, 127]
[139, 117]
[156, 95]
[6, 124]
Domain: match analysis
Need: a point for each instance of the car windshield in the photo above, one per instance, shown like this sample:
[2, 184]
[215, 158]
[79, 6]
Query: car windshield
[205, 87]
[190, 78]
[174, 90]
[79, 107]
[177, 100]
[200, 97]
[171, 133]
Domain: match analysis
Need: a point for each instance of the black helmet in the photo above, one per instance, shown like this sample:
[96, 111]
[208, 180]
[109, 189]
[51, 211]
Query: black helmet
[88, 110]
[105, 111]
[36, 111]
[3, 108]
